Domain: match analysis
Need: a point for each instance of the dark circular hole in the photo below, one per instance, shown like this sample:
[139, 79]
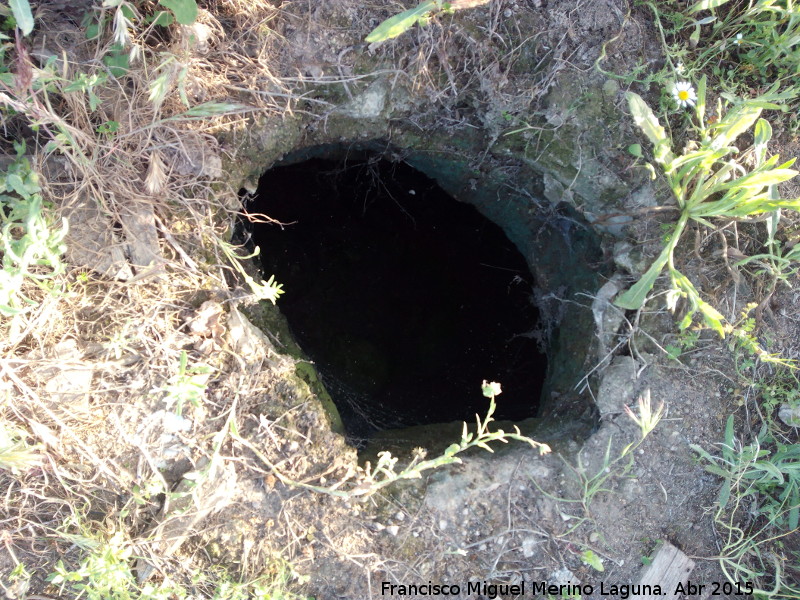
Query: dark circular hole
[404, 298]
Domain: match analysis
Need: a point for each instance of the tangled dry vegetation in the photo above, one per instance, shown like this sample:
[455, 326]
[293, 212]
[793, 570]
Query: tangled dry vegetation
[125, 360]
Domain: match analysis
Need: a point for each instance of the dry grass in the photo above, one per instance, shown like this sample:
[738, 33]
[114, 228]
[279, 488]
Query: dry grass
[86, 371]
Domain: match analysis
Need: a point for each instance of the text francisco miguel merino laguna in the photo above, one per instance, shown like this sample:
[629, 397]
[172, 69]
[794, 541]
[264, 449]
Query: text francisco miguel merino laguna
[536, 588]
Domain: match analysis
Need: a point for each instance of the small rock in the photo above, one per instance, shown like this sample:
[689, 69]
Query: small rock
[393, 529]
[630, 258]
[593, 537]
[529, 546]
[790, 415]
[563, 577]
[173, 423]
[618, 386]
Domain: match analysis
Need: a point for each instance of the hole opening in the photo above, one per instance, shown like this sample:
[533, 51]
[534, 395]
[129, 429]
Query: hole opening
[404, 298]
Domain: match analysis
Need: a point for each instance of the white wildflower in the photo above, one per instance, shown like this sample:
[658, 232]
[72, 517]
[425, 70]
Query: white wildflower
[684, 93]
[491, 389]
[738, 39]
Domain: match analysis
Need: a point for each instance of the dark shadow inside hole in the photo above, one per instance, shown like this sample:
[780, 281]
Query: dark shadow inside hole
[404, 298]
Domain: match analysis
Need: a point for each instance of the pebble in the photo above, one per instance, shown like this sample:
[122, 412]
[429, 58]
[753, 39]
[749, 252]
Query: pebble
[507, 13]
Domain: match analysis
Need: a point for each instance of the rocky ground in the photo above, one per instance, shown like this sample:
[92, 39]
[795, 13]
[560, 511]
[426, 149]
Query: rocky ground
[511, 95]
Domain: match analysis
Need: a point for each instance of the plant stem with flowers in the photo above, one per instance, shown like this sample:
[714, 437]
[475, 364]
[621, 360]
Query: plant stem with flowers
[371, 479]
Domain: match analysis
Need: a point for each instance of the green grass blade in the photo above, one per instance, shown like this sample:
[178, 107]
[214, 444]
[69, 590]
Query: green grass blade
[647, 121]
[700, 107]
[762, 135]
[707, 4]
[728, 439]
[634, 298]
[711, 316]
[212, 109]
[724, 493]
[22, 15]
[736, 122]
[400, 23]
[759, 204]
[762, 179]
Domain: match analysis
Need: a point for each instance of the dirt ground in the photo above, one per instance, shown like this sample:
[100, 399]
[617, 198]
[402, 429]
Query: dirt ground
[98, 390]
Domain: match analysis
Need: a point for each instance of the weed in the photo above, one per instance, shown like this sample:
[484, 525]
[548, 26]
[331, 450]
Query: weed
[707, 182]
[188, 385]
[104, 573]
[372, 479]
[761, 488]
[21, 9]
[30, 242]
[590, 558]
[266, 290]
[770, 478]
[420, 14]
[591, 486]
[744, 47]
[687, 340]
[757, 40]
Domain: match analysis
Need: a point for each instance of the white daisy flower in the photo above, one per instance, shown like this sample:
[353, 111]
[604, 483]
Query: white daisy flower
[684, 93]
[738, 39]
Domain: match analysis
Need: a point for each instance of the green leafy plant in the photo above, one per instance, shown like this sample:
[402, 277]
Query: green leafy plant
[760, 486]
[772, 478]
[104, 573]
[707, 182]
[758, 41]
[743, 47]
[185, 11]
[686, 341]
[420, 14]
[189, 385]
[30, 242]
[590, 558]
[86, 84]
